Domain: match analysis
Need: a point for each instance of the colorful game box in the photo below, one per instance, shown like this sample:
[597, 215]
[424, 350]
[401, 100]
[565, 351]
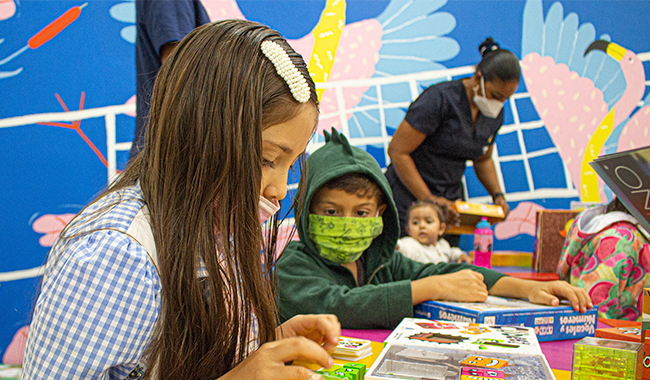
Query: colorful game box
[548, 322]
[352, 349]
[645, 328]
[596, 358]
[349, 371]
[465, 336]
[550, 233]
[399, 361]
[629, 334]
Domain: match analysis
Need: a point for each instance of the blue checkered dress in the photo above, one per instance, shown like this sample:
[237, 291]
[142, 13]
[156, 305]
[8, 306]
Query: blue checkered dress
[100, 298]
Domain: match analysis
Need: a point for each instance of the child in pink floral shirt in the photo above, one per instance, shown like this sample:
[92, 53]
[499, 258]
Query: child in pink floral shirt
[607, 253]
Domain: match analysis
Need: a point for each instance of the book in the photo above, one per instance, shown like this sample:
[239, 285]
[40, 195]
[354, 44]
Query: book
[471, 213]
[548, 322]
[628, 175]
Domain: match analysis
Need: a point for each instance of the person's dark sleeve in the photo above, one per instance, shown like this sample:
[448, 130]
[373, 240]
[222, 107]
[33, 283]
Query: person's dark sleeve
[405, 268]
[309, 286]
[425, 113]
[167, 21]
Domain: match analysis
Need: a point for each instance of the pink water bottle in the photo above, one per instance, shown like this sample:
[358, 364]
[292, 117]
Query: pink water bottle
[483, 238]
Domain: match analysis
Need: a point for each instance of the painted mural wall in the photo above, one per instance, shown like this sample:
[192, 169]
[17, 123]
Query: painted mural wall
[67, 84]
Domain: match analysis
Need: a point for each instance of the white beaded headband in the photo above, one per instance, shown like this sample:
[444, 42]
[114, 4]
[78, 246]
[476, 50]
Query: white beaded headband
[287, 70]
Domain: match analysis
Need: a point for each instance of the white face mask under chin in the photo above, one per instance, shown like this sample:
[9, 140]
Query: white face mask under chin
[267, 209]
[488, 107]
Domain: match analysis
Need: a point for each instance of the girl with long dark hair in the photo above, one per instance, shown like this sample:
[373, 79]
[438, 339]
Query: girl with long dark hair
[167, 273]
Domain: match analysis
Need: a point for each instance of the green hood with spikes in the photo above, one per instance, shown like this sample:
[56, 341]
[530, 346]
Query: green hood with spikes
[311, 284]
[336, 158]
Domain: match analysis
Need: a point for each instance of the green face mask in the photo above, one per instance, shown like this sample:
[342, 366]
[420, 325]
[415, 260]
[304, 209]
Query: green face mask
[342, 240]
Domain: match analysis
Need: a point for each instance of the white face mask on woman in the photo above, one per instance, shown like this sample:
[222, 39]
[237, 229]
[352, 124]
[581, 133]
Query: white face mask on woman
[267, 209]
[488, 107]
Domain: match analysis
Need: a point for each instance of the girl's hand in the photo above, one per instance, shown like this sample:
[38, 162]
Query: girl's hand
[550, 293]
[465, 259]
[269, 361]
[323, 329]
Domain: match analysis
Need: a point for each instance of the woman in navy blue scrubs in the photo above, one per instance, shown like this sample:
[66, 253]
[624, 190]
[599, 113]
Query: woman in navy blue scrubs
[448, 124]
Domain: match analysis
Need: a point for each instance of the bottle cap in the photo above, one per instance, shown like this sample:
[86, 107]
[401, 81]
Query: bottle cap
[483, 223]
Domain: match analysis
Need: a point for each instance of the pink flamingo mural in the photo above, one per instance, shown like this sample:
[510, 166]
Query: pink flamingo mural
[572, 105]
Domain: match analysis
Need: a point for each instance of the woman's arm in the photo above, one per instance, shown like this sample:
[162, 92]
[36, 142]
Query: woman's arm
[405, 140]
[486, 173]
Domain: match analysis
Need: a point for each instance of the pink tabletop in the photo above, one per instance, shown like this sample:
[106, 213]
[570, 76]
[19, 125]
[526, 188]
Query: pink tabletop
[558, 353]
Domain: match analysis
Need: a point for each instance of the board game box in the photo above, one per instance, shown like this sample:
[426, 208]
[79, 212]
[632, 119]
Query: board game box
[597, 358]
[550, 226]
[628, 175]
[629, 334]
[465, 336]
[399, 361]
[423, 349]
[645, 339]
[548, 322]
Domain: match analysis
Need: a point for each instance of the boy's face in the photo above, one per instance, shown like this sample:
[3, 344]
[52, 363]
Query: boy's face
[424, 225]
[335, 202]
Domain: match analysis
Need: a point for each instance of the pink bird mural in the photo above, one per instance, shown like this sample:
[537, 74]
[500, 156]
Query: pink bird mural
[353, 55]
[577, 113]
[51, 226]
[521, 220]
[349, 52]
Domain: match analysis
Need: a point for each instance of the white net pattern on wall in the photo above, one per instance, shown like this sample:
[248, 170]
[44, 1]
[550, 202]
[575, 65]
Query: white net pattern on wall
[374, 110]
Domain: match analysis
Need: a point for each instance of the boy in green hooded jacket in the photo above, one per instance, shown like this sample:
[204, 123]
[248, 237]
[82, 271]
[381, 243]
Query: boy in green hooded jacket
[346, 264]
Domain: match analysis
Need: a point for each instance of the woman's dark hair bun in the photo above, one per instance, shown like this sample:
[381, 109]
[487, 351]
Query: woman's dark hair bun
[487, 46]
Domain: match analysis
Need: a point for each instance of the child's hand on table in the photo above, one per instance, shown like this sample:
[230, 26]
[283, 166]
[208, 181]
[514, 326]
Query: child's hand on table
[303, 337]
[323, 329]
[550, 293]
[542, 292]
[269, 361]
[462, 286]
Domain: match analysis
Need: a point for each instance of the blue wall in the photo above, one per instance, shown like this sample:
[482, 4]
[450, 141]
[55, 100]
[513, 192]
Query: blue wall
[54, 170]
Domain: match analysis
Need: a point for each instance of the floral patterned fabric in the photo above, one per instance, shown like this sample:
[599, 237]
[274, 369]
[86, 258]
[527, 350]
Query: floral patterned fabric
[612, 264]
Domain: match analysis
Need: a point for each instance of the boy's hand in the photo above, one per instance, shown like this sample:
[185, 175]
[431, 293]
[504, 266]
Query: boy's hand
[323, 329]
[462, 286]
[550, 293]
